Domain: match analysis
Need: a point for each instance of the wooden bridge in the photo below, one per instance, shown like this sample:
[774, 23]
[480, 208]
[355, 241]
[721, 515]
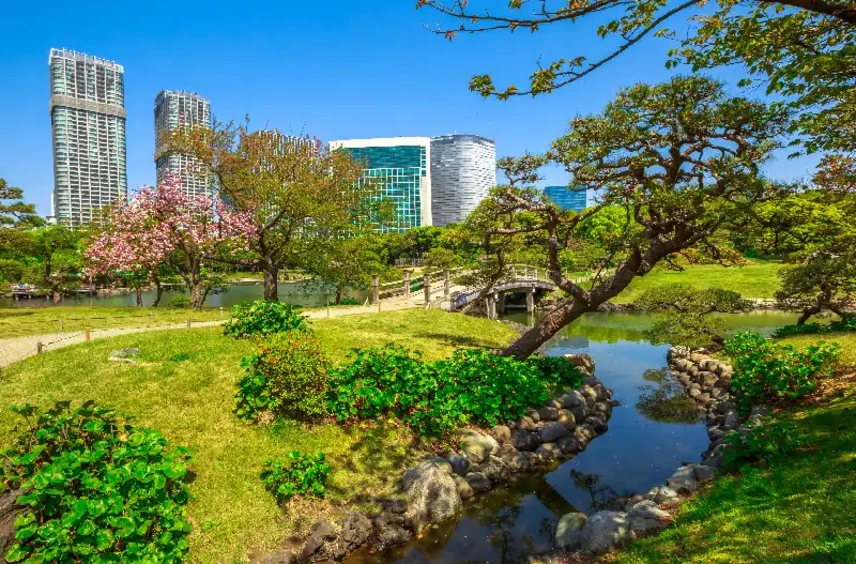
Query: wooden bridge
[453, 289]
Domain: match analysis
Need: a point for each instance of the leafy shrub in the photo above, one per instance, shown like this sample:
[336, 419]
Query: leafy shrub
[179, 301]
[287, 376]
[97, 489]
[263, 318]
[557, 371]
[349, 301]
[434, 398]
[845, 325]
[765, 369]
[758, 445]
[301, 474]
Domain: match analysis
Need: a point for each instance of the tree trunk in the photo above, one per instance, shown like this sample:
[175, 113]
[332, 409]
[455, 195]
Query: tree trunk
[57, 296]
[549, 325]
[139, 296]
[338, 295]
[196, 297]
[807, 312]
[271, 281]
[158, 292]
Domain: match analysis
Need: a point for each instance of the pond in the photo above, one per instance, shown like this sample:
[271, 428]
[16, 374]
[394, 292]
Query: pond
[293, 292]
[655, 429]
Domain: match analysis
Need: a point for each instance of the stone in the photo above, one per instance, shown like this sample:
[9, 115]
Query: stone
[533, 415]
[603, 409]
[524, 440]
[584, 433]
[550, 432]
[321, 534]
[478, 482]
[569, 531]
[548, 451]
[732, 420]
[567, 419]
[647, 516]
[704, 473]
[511, 458]
[696, 358]
[9, 511]
[555, 403]
[533, 459]
[703, 397]
[579, 412]
[694, 391]
[494, 468]
[443, 464]
[692, 370]
[354, 532]
[683, 480]
[589, 407]
[597, 423]
[761, 410]
[605, 530]
[715, 433]
[281, 556]
[726, 371]
[582, 361]
[526, 424]
[390, 531]
[502, 434]
[431, 497]
[602, 392]
[754, 419]
[707, 379]
[464, 488]
[663, 494]
[573, 399]
[591, 381]
[460, 464]
[569, 444]
[588, 392]
[395, 505]
[125, 353]
[477, 446]
[548, 413]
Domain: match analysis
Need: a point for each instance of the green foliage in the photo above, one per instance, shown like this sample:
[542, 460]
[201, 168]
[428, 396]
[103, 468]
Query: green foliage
[97, 489]
[286, 376]
[349, 301]
[263, 318]
[179, 301]
[440, 258]
[474, 385]
[758, 445]
[846, 325]
[764, 369]
[300, 474]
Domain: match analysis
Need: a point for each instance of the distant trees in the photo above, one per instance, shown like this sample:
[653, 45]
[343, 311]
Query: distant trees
[14, 212]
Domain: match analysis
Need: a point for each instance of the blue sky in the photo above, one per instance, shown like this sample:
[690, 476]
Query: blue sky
[333, 69]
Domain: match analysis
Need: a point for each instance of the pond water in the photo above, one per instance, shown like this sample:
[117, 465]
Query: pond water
[655, 429]
[294, 293]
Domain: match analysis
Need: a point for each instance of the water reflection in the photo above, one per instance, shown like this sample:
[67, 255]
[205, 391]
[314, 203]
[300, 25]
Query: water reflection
[666, 402]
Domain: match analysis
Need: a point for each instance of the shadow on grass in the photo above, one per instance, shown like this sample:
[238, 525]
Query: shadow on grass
[457, 340]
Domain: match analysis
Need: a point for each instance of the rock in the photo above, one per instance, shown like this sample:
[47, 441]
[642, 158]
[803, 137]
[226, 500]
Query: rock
[714, 462]
[502, 434]
[603, 409]
[390, 531]
[715, 433]
[494, 468]
[605, 530]
[443, 464]
[582, 361]
[555, 403]
[646, 516]
[124, 353]
[533, 415]
[602, 392]
[460, 464]
[683, 480]
[548, 451]
[579, 412]
[432, 497]
[464, 488]
[584, 434]
[395, 505]
[478, 482]
[354, 532]
[589, 406]
[9, 511]
[597, 423]
[732, 420]
[696, 358]
[569, 444]
[567, 419]
[281, 556]
[754, 420]
[588, 392]
[321, 534]
[548, 413]
[692, 370]
[704, 473]
[524, 440]
[573, 399]
[510, 457]
[533, 459]
[526, 424]
[703, 397]
[477, 446]
[663, 494]
[552, 431]
[694, 391]
[569, 531]
[726, 371]
[761, 410]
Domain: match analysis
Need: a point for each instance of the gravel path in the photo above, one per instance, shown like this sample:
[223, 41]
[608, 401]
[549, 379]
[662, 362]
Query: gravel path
[19, 348]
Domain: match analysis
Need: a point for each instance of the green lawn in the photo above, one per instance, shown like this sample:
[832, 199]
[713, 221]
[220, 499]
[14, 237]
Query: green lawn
[23, 321]
[800, 509]
[183, 385]
[847, 342]
[757, 280]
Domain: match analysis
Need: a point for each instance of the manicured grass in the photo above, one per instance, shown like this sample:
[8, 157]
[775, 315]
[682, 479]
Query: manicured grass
[798, 509]
[846, 341]
[23, 321]
[183, 385]
[756, 280]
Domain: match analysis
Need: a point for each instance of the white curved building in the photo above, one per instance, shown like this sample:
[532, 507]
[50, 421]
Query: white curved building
[463, 170]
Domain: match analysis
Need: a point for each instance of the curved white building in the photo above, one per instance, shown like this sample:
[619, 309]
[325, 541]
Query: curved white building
[463, 170]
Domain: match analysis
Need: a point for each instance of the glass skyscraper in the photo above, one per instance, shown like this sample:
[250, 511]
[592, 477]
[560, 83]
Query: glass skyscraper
[399, 166]
[175, 109]
[568, 199]
[463, 171]
[87, 109]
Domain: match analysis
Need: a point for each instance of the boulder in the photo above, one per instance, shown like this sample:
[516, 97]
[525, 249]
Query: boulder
[526, 424]
[460, 464]
[502, 434]
[464, 488]
[524, 440]
[603, 409]
[431, 497]
[318, 544]
[354, 532]
[582, 361]
[533, 415]
[548, 413]
[569, 531]
[552, 431]
[706, 379]
[477, 446]
[588, 392]
[597, 423]
[478, 482]
[9, 511]
[569, 444]
[732, 420]
[548, 451]
[683, 480]
[605, 530]
[761, 410]
[584, 433]
[647, 516]
[443, 464]
[704, 473]
[715, 433]
[389, 530]
[510, 456]
[567, 419]
[494, 468]
[533, 459]
[663, 494]
[579, 412]
[573, 399]
[602, 392]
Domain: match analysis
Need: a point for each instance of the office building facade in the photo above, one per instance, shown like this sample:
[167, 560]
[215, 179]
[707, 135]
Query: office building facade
[575, 199]
[176, 109]
[399, 166]
[87, 109]
[463, 171]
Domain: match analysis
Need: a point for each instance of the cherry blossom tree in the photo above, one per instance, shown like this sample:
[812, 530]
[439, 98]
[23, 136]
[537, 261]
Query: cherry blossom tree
[164, 225]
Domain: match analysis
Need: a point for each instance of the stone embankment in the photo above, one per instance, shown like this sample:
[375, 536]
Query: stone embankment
[437, 488]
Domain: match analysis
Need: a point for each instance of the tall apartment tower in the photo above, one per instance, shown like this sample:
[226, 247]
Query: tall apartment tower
[87, 109]
[463, 171]
[174, 109]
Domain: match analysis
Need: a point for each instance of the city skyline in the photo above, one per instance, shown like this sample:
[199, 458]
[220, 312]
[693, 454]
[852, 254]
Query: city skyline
[175, 109]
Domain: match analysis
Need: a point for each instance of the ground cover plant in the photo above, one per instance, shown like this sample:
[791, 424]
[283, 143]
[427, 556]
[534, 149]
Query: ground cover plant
[191, 403]
[96, 488]
[848, 324]
[300, 474]
[263, 318]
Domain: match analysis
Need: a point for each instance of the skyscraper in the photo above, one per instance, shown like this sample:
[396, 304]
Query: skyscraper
[87, 108]
[174, 109]
[463, 170]
[400, 166]
[568, 199]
